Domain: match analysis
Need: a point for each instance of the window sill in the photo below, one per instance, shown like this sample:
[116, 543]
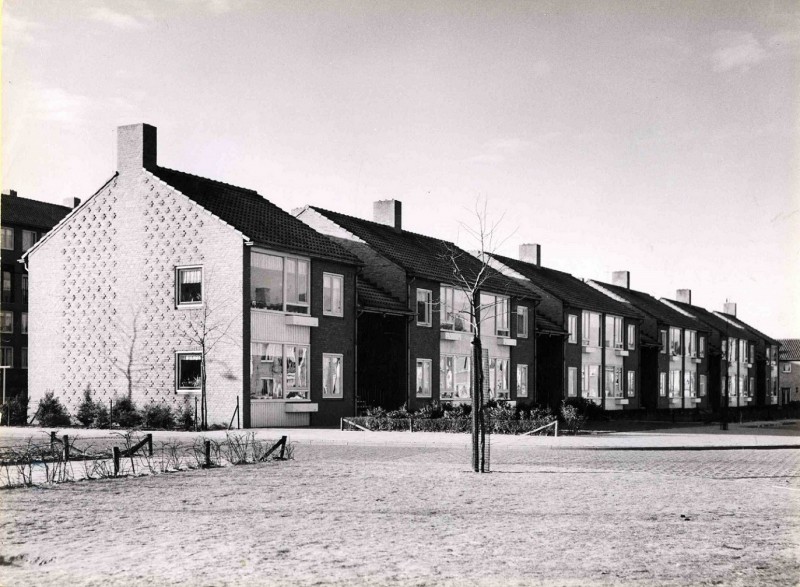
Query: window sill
[332, 315]
[697, 360]
[588, 349]
[453, 335]
[300, 407]
[623, 401]
[507, 341]
[300, 320]
[621, 353]
[187, 391]
[189, 306]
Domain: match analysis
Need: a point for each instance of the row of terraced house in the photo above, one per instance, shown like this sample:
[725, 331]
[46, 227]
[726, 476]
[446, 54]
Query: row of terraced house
[163, 283]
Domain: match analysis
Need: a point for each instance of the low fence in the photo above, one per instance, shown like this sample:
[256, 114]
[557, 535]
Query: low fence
[540, 426]
[59, 459]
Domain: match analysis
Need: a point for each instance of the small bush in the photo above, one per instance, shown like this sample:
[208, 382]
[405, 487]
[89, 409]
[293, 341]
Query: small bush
[52, 412]
[87, 410]
[573, 420]
[430, 411]
[125, 413]
[585, 407]
[400, 413]
[101, 420]
[157, 416]
[184, 419]
[15, 410]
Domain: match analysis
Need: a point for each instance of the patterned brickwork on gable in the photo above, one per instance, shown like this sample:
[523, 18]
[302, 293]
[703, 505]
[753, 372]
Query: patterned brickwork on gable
[102, 305]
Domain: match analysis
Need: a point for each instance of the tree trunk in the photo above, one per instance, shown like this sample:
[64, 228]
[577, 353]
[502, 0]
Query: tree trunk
[478, 432]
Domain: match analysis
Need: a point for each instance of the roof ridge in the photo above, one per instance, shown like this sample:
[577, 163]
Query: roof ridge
[8, 199]
[215, 181]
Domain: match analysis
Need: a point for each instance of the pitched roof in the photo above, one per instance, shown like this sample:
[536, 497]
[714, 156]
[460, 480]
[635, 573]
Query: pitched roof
[371, 297]
[255, 216]
[545, 325]
[33, 213]
[752, 330]
[646, 303]
[424, 256]
[790, 349]
[569, 289]
[716, 322]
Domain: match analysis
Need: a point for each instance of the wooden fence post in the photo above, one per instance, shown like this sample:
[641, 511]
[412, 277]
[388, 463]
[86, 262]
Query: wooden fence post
[195, 414]
[66, 447]
[283, 446]
[150, 444]
[208, 454]
[238, 426]
[110, 412]
[52, 441]
[116, 461]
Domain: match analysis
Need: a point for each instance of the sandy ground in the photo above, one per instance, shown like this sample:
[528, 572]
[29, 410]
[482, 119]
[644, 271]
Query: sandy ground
[379, 514]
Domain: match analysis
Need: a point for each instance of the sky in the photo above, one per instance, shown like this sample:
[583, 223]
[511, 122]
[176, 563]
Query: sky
[661, 138]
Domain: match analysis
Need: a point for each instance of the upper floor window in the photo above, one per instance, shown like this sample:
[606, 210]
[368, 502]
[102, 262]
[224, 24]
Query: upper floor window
[572, 328]
[522, 322]
[675, 341]
[28, 239]
[424, 305]
[23, 325]
[743, 351]
[732, 346]
[189, 282]
[590, 329]
[279, 283]
[614, 332]
[664, 343]
[454, 309]
[332, 294]
[8, 239]
[6, 356]
[724, 348]
[8, 287]
[631, 336]
[752, 355]
[494, 313]
[702, 350]
[24, 288]
[690, 339]
[6, 321]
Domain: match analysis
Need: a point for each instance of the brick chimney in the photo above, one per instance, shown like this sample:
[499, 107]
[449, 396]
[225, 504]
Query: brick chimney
[136, 147]
[72, 202]
[684, 295]
[531, 253]
[388, 212]
[11, 194]
[621, 279]
[729, 308]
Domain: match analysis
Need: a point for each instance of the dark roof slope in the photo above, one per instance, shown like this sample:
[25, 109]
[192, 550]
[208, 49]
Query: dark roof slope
[790, 349]
[424, 256]
[33, 213]
[254, 216]
[752, 330]
[569, 289]
[646, 303]
[714, 321]
[545, 325]
[371, 297]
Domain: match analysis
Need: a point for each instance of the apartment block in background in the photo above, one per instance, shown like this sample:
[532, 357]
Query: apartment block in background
[789, 369]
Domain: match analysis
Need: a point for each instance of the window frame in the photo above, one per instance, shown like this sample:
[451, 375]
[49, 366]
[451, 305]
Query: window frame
[572, 381]
[447, 309]
[193, 304]
[7, 295]
[786, 368]
[613, 340]
[3, 315]
[664, 336]
[7, 231]
[427, 305]
[34, 237]
[572, 328]
[333, 277]
[419, 389]
[451, 393]
[522, 318]
[631, 337]
[325, 358]
[494, 376]
[285, 303]
[587, 330]
[286, 389]
[631, 388]
[673, 351]
[178, 388]
[494, 301]
[24, 287]
[522, 375]
[23, 323]
[702, 384]
[701, 347]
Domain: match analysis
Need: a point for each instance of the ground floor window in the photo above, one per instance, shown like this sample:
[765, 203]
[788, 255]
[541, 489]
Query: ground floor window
[751, 387]
[572, 381]
[662, 384]
[675, 383]
[702, 386]
[279, 371]
[24, 358]
[522, 381]
[742, 386]
[613, 381]
[590, 381]
[631, 383]
[498, 379]
[188, 371]
[423, 378]
[332, 376]
[454, 377]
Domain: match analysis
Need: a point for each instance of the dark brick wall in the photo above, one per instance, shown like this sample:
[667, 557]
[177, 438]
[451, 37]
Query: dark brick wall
[573, 356]
[632, 363]
[424, 343]
[524, 352]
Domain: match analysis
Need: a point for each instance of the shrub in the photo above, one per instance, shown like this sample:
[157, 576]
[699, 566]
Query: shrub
[457, 411]
[184, 418]
[87, 410]
[15, 410]
[400, 413]
[52, 412]
[101, 419]
[573, 420]
[125, 413]
[430, 411]
[585, 407]
[157, 416]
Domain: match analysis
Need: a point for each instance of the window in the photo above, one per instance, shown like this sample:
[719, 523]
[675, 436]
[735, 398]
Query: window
[8, 238]
[6, 356]
[613, 381]
[279, 371]
[664, 344]
[572, 379]
[454, 377]
[751, 357]
[742, 385]
[8, 287]
[724, 343]
[522, 322]
[189, 283]
[690, 343]
[702, 391]
[23, 325]
[572, 328]
[332, 376]
[689, 389]
[631, 336]
[6, 321]
[424, 304]
[24, 288]
[590, 381]
[675, 383]
[675, 342]
[590, 329]
[786, 368]
[751, 388]
[631, 383]
[614, 332]
[423, 377]
[662, 384]
[279, 283]
[702, 351]
[332, 294]
[454, 309]
[494, 313]
[188, 371]
[732, 346]
[24, 358]
[743, 351]
[498, 379]
[522, 381]
[28, 239]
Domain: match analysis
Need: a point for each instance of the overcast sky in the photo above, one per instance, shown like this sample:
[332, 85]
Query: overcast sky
[659, 138]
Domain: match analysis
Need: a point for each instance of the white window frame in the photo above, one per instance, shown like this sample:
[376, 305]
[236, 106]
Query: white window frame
[333, 277]
[3, 315]
[10, 350]
[427, 300]
[284, 378]
[419, 390]
[450, 393]
[7, 235]
[701, 349]
[495, 302]
[572, 328]
[522, 318]
[690, 343]
[701, 392]
[586, 322]
[447, 310]
[178, 388]
[614, 341]
[285, 285]
[675, 335]
[631, 391]
[662, 384]
[522, 375]
[664, 336]
[503, 391]
[631, 337]
[33, 236]
[193, 304]
[572, 380]
[23, 287]
[675, 382]
[586, 390]
[786, 368]
[326, 357]
[618, 391]
[751, 387]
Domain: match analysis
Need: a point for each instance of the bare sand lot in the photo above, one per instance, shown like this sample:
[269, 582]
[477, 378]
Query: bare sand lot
[414, 515]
